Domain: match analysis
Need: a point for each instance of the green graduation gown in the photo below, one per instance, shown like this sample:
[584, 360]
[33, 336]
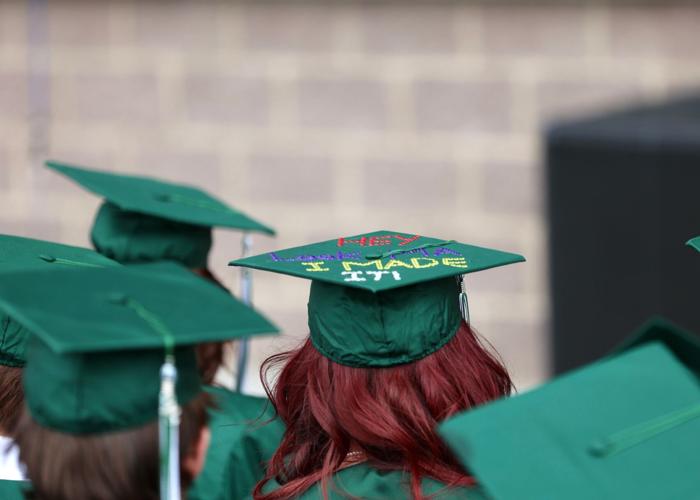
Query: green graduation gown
[243, 439]
[364, 482]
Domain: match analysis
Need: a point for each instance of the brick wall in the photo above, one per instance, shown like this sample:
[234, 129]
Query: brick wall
[326, 119]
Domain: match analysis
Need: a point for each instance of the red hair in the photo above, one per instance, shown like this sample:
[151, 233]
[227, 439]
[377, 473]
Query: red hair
[389, 414]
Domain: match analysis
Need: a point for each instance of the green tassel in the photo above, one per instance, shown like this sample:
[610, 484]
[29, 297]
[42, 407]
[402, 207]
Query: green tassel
[398, 251]
[59, 260]
[168, 409]
[632, 436]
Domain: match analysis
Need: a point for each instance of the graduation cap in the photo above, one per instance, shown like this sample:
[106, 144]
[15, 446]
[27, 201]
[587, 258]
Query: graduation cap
[382, 298]
[145, 219]
[624, 427]
[17, 253]
[113, 348]
[88, 323]
[694, 243]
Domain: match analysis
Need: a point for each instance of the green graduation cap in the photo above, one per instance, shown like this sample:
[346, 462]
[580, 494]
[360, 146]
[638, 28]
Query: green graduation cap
[382, 298]
[99, 337]
[626, 427]
[144, 219]
[694, 242]
[17, 253]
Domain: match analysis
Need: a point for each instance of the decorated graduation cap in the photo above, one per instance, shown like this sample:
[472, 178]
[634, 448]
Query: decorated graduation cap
[382, 298]
[113, 348]
[17, 253]
[694, 243]
[626, 427]
[145, 219]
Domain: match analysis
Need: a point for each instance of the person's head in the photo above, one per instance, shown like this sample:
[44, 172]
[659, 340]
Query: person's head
[389, 414]
[90, 424]
[390, 354]
[111, 465]
[110, 357]
[13, 340]
[11, 398]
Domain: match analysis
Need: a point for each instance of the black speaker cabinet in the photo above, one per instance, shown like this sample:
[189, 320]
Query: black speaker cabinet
[623, 198]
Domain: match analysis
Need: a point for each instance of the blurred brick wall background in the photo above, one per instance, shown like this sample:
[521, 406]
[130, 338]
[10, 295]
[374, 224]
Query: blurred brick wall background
[327, 119]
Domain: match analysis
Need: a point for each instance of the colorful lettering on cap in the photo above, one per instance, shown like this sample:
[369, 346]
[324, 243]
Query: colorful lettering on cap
[380, 260]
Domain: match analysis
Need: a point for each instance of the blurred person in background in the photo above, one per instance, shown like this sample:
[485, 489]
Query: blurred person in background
[390, 355]
[148, 220]
[144, 220]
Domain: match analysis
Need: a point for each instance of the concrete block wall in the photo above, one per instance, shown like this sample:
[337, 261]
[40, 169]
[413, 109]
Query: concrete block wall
[327, 118]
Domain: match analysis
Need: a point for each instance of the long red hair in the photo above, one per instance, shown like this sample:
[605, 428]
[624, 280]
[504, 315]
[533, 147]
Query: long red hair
[389, 414]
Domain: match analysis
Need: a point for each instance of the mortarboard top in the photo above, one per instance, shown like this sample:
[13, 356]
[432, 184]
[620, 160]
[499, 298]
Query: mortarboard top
[167, 200]
[146, 220]
[625, 427]
[380, 260]
[381, 298]
[17, 253]
[694, 242]
[99, 337]
[683, 344]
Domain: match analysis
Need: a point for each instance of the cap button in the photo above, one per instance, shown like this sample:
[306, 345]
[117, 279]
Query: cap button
[47, 258]
[118, 299]
[600, 448]
[162, 197]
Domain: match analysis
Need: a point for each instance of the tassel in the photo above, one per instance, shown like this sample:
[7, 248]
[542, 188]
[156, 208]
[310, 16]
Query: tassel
[246, 298]
[169, 432]
[399, 251]
[168, 409]
[463, 302]
[638, 434]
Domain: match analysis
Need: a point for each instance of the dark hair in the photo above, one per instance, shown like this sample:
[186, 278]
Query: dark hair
[389, 414]
[111, 466]
[11, 397]
[210, 355]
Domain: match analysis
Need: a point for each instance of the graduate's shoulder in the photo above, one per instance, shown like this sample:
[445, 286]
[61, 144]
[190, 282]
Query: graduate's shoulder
[369, 483]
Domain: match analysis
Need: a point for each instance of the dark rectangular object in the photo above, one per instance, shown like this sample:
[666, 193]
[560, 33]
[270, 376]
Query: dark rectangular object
[623, 197]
